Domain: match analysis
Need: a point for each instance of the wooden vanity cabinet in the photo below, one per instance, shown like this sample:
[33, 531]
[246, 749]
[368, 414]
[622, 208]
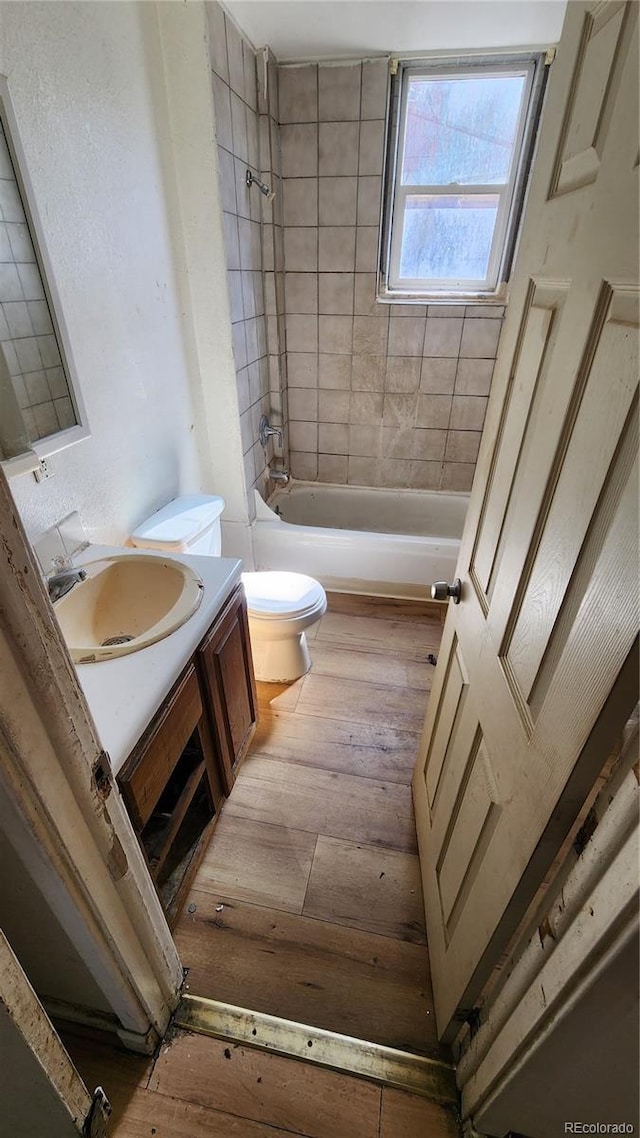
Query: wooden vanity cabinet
[225, 664]
[176, 778]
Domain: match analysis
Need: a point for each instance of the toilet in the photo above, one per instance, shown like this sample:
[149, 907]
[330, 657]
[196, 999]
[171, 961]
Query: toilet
[281, 605]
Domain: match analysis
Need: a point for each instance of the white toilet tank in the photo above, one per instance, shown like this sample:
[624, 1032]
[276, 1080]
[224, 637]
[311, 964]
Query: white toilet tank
[190, 524]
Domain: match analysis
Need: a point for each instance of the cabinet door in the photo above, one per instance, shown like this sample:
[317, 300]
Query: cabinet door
[227, 671]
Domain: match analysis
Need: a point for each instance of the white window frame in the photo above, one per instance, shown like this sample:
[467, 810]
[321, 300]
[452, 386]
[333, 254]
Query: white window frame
[511, 193]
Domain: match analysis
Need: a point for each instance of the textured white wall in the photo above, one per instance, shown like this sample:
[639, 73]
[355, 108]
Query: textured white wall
[82, 78]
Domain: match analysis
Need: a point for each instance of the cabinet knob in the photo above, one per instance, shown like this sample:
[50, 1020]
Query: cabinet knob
[442, 590]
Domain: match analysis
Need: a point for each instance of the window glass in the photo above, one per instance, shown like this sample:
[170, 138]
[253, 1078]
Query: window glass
[461, 136]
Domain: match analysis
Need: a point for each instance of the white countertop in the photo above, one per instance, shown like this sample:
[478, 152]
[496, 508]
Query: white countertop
[124, 694]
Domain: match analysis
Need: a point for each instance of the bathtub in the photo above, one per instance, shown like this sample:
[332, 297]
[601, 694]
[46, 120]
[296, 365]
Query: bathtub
[378, 542]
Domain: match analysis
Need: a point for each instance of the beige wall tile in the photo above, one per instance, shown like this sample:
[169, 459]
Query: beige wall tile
[457, 475]
[217, 40]
[301, 250]
[303, 466]
[333, 468]
[299, 148]
[239, 126]
[400, 410]
[368, 373]
[335, 292]
[303, 404]
[367, 249]
[250, 76]
[300, 206]
[302, 333]
[365, 303]
[298, 94]
[334, 372]
[429, 444]
[468, 413]
[371, 147]
[406, 336]
[301, 293]
[303, 436]
[425, 475]
[434, 411]
[333, 406]
[480, 338]
[333, 438]
[442, 336]
[370, 335]
[336, 249]
[222, 108]
[395, 472]
[369, 191]
[462, 446]
[338, 148]
[226, 167]
[236, 58]
[375, 80]
[302, 369]
[437, 376]
[337, 201]
[362, 471]
[231, 242]
[365, 441]
[397, 442]
[484, 311]
[366, 408]
[403, 373]
[339, 92]
[473, 377]
[335, 333]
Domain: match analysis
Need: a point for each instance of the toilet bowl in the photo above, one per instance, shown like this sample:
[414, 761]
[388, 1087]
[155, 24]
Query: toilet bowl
[280, 605]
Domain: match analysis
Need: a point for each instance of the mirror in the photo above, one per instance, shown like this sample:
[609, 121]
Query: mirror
[36, 394]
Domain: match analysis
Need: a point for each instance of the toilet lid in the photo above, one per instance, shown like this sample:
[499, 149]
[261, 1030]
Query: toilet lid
[272, 594]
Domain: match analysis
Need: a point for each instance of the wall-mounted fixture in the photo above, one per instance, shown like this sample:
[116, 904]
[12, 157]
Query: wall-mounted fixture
[251, 180]
[265, 432]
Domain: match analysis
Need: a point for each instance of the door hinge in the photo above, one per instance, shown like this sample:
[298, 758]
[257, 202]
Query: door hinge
[97, 1121]
[102, 775]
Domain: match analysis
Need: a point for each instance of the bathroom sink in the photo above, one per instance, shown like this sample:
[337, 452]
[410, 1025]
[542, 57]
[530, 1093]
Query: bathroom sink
[126, 603]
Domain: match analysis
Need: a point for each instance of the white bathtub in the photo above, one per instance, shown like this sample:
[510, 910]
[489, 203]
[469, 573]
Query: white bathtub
[360, 540]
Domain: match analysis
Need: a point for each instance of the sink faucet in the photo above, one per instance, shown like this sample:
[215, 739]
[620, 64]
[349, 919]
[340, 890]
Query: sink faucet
[265, 431]
[63, 579]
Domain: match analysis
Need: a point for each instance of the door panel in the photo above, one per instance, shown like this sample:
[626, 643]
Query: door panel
[533, 654]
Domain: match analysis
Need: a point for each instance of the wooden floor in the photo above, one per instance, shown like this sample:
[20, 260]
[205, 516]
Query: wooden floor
[307, 906]
[308, 903]
[203, 1088]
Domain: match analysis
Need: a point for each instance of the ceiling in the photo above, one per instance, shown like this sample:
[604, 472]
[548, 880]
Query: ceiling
[334, 29]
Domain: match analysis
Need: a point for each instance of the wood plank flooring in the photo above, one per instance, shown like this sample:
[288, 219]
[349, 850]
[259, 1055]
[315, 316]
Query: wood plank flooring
[205, 1088]
[308, 903]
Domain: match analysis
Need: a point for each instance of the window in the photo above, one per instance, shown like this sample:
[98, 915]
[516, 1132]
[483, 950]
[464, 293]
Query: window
[460, 145]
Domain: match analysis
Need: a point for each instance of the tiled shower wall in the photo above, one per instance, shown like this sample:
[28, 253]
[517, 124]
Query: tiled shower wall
[378, 395]
[235, 97]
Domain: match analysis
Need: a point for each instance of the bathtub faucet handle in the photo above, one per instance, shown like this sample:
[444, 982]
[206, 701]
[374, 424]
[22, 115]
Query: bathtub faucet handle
[266, 431]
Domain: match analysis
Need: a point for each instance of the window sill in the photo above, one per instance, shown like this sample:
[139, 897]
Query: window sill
[394, 296]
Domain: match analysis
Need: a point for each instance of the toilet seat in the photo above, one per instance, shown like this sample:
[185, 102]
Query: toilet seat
[275, 595]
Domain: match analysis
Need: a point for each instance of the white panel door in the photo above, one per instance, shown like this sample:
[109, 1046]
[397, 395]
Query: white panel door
[537, 661]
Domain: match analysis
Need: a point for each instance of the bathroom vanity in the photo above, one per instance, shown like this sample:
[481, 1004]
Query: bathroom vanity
[176, 718]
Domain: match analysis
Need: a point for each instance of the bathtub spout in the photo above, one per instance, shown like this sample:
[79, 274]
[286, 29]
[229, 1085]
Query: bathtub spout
[279, 476]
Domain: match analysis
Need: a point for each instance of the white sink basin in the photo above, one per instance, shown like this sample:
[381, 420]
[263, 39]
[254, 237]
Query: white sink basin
[126, 603]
